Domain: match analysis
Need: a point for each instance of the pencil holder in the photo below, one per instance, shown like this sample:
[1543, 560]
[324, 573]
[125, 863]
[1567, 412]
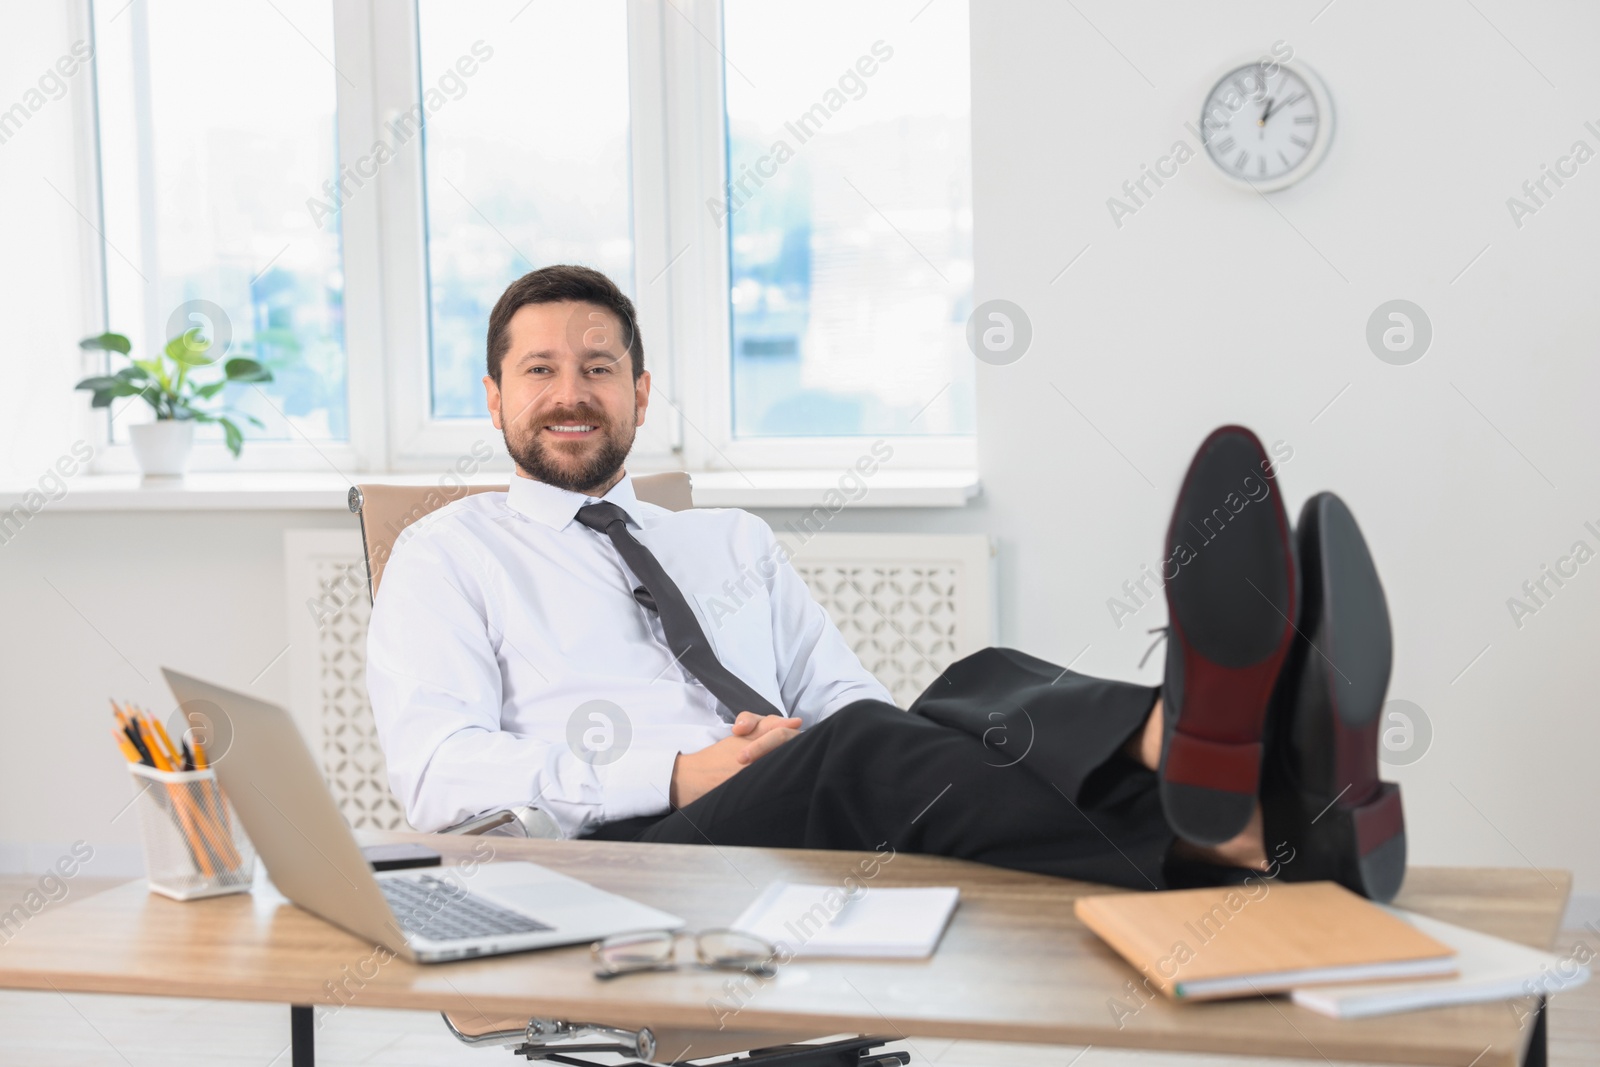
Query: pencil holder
[193, 843]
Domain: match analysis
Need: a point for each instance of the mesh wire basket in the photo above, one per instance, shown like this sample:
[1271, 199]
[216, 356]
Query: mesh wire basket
[193, 843]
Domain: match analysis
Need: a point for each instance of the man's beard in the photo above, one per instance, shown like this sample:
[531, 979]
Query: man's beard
[540, 461]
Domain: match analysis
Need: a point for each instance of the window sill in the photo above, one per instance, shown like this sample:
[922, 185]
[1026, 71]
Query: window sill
[310, 491]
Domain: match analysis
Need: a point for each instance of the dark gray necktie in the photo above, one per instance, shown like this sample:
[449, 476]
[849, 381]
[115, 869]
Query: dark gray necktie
[684, 635]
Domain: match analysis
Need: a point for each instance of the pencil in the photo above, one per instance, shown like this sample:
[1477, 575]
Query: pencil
[159, 732]
[126, 746]
[206, 812]
[183, 804]
[137, 741]
[200, 763]
[184, 810]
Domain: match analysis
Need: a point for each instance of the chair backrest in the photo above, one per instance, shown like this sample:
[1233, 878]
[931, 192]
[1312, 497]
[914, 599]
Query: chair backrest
[386, 510]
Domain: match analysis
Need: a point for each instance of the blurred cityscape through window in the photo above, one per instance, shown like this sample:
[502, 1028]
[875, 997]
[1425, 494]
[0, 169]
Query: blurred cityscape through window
[849, 217]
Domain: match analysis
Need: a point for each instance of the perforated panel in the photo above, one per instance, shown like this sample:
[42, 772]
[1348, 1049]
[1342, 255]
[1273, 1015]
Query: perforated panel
[352, 761]
[900, 619]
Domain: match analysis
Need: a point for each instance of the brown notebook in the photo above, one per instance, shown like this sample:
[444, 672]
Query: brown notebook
[1267, 937]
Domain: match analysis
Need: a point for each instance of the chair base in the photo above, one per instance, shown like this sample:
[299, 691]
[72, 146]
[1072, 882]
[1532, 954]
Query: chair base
[850, 1052]
[558, 1040]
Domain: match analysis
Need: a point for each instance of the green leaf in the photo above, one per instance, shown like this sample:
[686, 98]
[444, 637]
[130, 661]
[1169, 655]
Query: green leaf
[231, 436]
[134, 373]
[149, 366]
[99, 382]
[206, 392]
[246, 370]
[189, 348]
[107, 342]
[104, 394]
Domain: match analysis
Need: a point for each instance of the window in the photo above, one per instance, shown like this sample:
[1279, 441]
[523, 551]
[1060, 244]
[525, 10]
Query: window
[217, 125]
[526, 164]
[355, 184]
[849, 218]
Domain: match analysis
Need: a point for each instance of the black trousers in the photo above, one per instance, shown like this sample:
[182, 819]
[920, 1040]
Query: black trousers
[1005, 759]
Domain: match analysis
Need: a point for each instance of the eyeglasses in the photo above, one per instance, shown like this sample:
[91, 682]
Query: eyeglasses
[727, 950]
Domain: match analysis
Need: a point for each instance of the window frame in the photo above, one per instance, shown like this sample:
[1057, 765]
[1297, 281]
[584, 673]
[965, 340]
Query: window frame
[362, 451]
[678, 150]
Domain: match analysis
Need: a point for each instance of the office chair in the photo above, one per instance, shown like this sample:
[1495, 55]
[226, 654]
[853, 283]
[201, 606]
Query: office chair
[385, 511]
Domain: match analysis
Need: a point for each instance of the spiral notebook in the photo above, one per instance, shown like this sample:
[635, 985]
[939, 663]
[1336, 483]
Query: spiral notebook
[823, 920]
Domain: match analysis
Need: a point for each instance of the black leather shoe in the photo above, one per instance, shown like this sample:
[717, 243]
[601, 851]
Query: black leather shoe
[1232, 592]
[1321, 794]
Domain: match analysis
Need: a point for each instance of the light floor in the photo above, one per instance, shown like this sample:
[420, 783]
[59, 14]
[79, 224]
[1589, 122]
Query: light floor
[85, 1030]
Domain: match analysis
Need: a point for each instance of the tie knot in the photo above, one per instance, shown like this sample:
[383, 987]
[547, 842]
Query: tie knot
[601, 516]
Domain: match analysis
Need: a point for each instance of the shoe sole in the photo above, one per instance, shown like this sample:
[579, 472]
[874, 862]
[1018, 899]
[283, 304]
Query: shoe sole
[1229, 608]
[1356, 836]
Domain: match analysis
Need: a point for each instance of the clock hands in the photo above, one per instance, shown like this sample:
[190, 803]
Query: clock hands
[1294, 96]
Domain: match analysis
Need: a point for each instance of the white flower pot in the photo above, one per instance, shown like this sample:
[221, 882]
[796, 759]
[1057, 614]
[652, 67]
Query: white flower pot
[162, 447]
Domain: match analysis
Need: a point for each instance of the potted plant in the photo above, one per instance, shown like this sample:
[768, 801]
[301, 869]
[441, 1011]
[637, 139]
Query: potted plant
[178, 399]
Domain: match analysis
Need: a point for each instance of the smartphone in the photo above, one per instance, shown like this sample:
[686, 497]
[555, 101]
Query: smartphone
[399, 857]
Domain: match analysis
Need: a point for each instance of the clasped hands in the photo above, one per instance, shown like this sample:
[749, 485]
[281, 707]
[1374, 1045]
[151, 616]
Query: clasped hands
[694, 774]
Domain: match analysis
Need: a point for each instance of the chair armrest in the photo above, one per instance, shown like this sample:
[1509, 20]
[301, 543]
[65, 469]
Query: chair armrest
[525, 821]
[480, 824]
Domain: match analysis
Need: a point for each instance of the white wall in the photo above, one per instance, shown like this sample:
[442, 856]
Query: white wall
[1209, 305]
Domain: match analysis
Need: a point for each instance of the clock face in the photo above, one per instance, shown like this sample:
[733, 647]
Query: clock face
[1266, 124]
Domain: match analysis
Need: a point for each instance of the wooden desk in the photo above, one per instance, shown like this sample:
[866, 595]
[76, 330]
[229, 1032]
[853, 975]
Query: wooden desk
[1015, 964]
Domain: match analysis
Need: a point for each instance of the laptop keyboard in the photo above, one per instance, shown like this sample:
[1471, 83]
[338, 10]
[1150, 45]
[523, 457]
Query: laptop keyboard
[443, 911]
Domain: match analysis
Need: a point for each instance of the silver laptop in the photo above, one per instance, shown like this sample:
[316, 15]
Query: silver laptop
[427, 914]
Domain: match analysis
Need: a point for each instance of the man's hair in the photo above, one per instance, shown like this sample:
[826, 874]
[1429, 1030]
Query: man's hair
[552, 285]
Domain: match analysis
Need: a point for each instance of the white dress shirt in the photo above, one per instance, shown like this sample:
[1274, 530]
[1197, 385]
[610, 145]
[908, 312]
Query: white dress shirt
[499, 616]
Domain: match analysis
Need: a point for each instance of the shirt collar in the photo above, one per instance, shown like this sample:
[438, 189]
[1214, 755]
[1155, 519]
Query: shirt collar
[556, 507]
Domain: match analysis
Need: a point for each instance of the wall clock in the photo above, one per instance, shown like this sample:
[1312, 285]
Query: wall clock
[1267, 124]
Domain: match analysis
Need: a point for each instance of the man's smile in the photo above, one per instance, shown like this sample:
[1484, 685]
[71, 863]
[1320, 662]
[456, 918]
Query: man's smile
[571, 431]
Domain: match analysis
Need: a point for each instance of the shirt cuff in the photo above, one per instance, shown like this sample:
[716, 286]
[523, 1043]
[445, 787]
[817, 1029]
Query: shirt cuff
[639, 783]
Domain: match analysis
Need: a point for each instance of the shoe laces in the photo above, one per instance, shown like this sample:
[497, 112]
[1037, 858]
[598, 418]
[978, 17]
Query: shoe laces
[1163, 631]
